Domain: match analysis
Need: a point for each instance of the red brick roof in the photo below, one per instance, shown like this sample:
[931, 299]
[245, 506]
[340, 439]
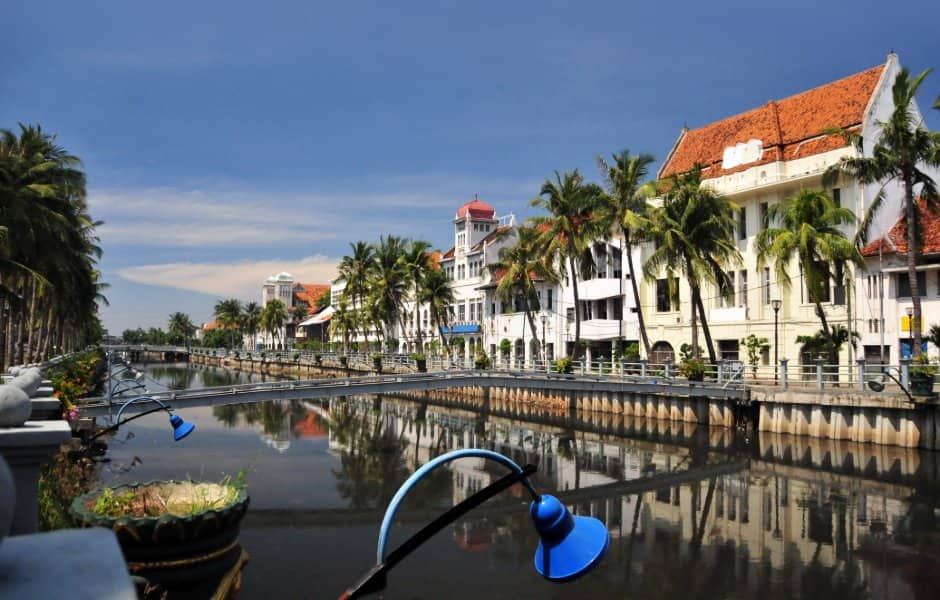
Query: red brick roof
[895, 241]
[448, 254]
[788, 129]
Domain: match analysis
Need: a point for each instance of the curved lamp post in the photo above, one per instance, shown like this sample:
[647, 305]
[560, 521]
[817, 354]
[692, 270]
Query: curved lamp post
[570, 545]
[181, 428]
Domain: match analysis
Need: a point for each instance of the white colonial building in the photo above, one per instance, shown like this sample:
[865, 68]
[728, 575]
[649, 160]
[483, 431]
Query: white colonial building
[759, 158]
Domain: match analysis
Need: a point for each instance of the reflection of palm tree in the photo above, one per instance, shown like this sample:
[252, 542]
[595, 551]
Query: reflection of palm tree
[227, 414]
[273, 416]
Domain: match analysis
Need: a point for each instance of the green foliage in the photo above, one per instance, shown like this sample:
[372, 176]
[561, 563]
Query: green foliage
[481, 361]
[692, 369]
[755, 347]
[631, 351]
[933, 335]
[323, 300]
[63, 478]
[563, 365]
[922, 366]
[505, 347]
[216, 338]
[76, 376]
[418, 356]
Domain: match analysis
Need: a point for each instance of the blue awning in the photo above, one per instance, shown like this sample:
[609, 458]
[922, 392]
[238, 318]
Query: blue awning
[461, 329]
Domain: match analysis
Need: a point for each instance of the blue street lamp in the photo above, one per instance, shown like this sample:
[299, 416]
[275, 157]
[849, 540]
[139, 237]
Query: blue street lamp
[570, 545]
[181, 428]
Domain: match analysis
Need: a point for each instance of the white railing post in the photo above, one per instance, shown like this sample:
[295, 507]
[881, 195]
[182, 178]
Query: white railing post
[819, 373]
[861, 374]
[783, 372]
[906, 373]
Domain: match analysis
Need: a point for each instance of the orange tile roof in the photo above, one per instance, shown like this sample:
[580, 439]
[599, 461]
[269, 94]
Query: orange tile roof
[210, 326]
[788, 129]
[309, 292]
[448, 254]
[895, 241]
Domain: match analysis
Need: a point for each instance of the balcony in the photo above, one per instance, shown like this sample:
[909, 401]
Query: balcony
[728, 314]
[598, 289]
[598, 329]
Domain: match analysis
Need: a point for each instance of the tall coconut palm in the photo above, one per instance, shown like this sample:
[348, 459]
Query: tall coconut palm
[902, 153]
[809, 231]
[355, 269]
[50, 285]
[251, 321]
[180, 325]
[228, 313]
[625, 207]
[568, 230]
[438, 294]
[342, 323]
[518, 268]
[693, 234]
[389, 281]
[417, 266]
[273, 317]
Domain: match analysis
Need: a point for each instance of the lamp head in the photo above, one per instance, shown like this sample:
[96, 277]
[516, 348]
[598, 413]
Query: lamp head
[571, 545]
[775, 304]
[180, 427]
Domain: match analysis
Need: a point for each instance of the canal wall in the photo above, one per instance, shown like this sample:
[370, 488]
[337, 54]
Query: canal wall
[852, 415]
[836, 413]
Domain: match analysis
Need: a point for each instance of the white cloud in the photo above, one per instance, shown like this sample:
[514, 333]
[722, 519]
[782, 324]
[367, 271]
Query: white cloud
[241, 279]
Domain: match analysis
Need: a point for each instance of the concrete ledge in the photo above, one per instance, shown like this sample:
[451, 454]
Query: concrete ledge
[25, 449]
[45, 409]
[73, 563]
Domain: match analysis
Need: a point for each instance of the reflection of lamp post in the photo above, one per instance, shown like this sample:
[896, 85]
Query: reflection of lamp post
[570, 545]
[775, 304]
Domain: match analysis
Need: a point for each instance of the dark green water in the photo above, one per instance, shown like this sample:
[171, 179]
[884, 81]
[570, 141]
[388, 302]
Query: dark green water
[756, 516]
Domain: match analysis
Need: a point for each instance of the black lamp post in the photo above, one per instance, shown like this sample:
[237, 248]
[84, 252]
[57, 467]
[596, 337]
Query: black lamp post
[910, 328]
[775, 304]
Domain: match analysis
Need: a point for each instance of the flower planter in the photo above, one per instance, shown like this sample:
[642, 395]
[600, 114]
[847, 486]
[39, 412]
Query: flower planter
[696, 377]
[921, 384]
[377, 365]
[187, 555]
[422, 365]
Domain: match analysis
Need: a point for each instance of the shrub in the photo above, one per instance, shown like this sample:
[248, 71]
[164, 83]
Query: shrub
[481, 361]
[693, 369]
[563, 365]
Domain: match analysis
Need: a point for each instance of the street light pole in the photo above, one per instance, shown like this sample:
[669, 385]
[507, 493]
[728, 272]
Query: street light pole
[775, 304]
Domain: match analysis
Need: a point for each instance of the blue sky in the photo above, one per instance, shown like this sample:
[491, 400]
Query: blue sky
[227, 141]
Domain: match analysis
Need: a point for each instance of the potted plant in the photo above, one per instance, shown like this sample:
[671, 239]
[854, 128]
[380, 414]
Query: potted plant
[692, 369]
[344, 360]
[318, 358]
[505, 347]
[177, 535]
[563, 365]
[377, 362]
[481, 361]
[421, 361]
[922, 373]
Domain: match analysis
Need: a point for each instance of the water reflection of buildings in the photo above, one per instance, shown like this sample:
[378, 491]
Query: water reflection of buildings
[279, 421]
[798, 514]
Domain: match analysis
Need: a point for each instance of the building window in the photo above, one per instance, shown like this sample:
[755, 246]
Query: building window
[742, 288]
[569, 314]
[663, 302]
[461, 312]
[764, 214]
[726, 292]
[904, 285]
[765, 287]
[742, 224]
[837, 197]
[548, 301]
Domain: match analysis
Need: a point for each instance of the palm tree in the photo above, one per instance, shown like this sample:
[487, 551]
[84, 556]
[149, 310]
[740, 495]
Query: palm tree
[229, 315]
[273, 317]
[50, 286]
[417, 267]
[693, 233]
[568, 230]
[438, 294]
[389, 281]
[251, 321]
[625, 207]
[809, 231]
[902, 149]
[181, 325]
[355, 270]
[519, 267]
[343, 323]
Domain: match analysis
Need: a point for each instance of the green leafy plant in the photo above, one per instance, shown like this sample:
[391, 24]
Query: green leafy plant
[692, 369]
[505, 347]
[755, 348]
[922, 366]
[563, 365]
[481, 361]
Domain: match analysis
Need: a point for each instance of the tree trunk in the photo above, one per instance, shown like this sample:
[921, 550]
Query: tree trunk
[531, 319]
[30, 353]
[694, 324]
[49, 333]
[576, 354]
[709, 344]
[913, 254]
[827, 333]
[418, 322]
[644, 338]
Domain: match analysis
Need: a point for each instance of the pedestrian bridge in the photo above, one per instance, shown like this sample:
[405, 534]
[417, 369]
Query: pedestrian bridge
[397, 383]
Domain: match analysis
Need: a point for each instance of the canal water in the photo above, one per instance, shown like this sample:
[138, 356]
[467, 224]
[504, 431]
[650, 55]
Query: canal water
[724, 514]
